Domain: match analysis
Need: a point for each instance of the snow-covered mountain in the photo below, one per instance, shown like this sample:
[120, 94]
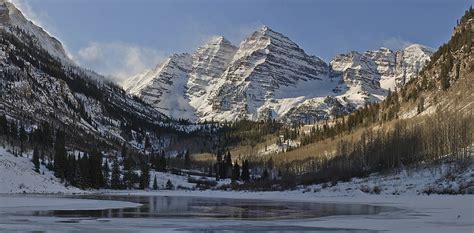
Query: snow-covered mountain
[270, 76]
[40, 84]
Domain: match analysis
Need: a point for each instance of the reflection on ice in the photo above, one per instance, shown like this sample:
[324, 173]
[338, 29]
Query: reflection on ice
[192, 207]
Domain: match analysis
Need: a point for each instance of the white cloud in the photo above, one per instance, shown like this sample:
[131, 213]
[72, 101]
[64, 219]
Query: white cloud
[118, 60]
[395, 43]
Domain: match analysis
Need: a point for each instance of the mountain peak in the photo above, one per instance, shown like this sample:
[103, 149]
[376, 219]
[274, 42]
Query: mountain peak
[217, 40]
[265, 28]
[419, 48]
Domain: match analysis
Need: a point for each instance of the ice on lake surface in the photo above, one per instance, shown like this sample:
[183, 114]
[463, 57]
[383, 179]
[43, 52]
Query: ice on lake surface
[186, 214]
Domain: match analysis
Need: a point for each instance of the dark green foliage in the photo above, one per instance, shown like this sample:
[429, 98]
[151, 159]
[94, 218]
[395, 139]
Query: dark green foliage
[23, 138]
[169, 185]
[187, 160]
[145, 175]
[60, 155]
[96, 176]
[115, 182]
[236, 172]
[3, 125]
[35, 159]
[265, 174]
[155, 183]
[130, 179]
[106, 173]
[245, 171]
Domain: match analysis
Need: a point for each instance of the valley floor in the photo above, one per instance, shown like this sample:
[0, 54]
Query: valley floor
[405, 190]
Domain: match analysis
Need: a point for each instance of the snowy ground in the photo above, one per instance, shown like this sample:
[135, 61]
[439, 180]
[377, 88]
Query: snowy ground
[17, 175]
[405, 190]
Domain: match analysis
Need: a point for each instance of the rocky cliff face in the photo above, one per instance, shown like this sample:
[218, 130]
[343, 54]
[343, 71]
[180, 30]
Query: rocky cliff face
[270, 76]
[368, 77]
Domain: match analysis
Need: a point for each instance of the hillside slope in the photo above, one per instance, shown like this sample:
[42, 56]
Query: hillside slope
[17, 175]
[40, 84]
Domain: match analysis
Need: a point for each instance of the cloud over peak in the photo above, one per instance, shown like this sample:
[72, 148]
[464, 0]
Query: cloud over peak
[118, 60]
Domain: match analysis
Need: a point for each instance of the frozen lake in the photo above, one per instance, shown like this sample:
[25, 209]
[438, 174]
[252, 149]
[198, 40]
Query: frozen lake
[176, 214]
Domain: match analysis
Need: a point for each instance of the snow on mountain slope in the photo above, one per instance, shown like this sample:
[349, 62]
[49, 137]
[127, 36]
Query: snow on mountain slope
[39, 84]
[12, 18]
[270, 76]
[209, 63]
[369, 76]
[265, 63]
[17, 175]
[165, 87]
[180, 86]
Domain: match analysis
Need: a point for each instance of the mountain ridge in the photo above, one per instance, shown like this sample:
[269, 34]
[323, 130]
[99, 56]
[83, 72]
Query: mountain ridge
[270, 76]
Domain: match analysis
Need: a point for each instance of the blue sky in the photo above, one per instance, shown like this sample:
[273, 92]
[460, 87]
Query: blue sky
[123, 37]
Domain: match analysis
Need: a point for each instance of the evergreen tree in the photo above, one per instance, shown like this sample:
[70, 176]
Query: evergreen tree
[210, 170]
[145, 175]
[125, 157]
[59, 155]
[36, 161]
[155, 184]
[115, 181]
[23, 138]
[169, 185]
[265, 174]
[236, 172]
[84, 171]
[3, 125]
[245, 171]
[147, 143]
[96, 176]
[106, 172]
[187, 160]
[70, 170]
[128, 178]
[162, 163]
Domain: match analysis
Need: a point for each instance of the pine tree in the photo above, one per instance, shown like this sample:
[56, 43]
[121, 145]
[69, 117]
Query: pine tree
[106, 172]
[162, 163]
[70, 170]
[155, 183]
[210, 170]
[236, 172]
[128, 178]
[23, 138]
[245, 171]
[265, 174]
[115, 181]
[96, 176]
[187, 160]
[126, 159]
[147, 143]
[36, 161]
[3, 124]
[169, 185]
[145, 175]
[59, 155]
